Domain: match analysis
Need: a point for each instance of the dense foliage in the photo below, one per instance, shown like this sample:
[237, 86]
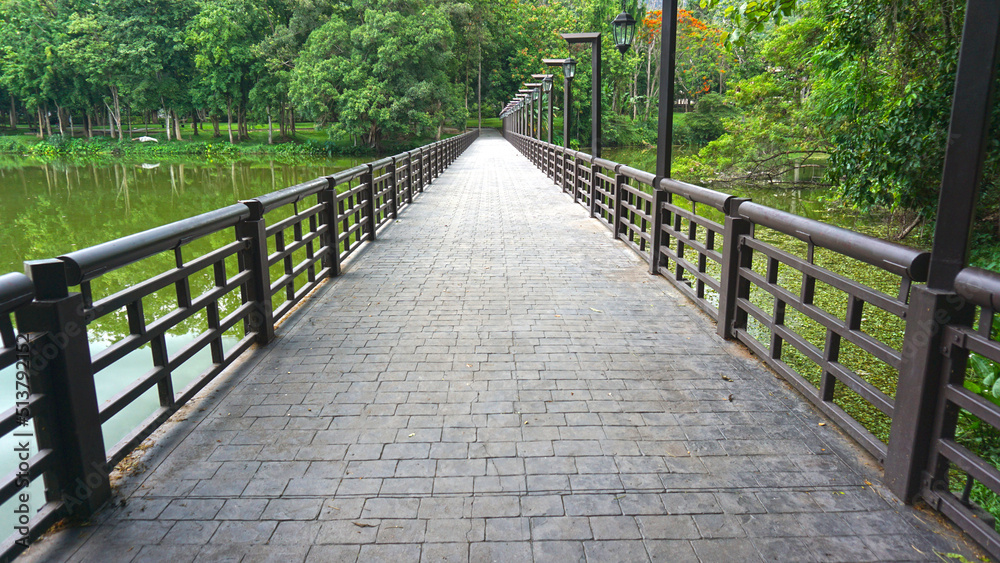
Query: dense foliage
[860, 89]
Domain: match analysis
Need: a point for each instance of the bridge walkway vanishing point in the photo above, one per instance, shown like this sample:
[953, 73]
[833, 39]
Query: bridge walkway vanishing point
[496, 379]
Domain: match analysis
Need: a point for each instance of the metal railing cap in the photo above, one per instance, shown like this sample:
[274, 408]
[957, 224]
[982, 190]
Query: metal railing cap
[695, 193]
[16, 289]
[892, 257]
[982, 287]
[88, 263]
[291, 194]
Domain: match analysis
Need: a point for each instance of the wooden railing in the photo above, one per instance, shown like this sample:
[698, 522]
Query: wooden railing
[234, 291]
[778, 283]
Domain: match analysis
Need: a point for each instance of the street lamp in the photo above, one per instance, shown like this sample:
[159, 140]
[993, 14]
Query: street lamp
[536, 88]
[569, 71]
[547, 91]
[595, 89]
[623, 29]
[525, 95]
[547, 87]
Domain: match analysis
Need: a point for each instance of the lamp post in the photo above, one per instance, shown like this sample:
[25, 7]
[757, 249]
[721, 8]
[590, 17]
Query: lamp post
[569, 71]
[665, 120]
[595, 90]
[535, 89]
[547, 92]
[525, 94]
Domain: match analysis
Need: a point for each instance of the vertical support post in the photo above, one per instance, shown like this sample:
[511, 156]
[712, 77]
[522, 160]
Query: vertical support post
[538, 126]
[918, 392]
[393, 190]
[659, 199]
[576, 178]
[409, 176]
[549, 124]
[668, 55]
[418, 168]
[934, 306]
[733, 258]
[258, 291]
[593, 186]
[61, 367]
[567, 100]
[616, 220]
[368, 178]
[595, 98]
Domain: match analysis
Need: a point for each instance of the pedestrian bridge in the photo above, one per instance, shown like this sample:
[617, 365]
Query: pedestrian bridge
[469, 366]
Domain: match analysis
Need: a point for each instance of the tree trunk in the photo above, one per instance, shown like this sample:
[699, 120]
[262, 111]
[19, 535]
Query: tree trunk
[111, 121]
[215, 126]
[166, 124]
[88, 125]
[59, 119]
[270, 127]
[282, 130]
[128, 119]
[291, 118]
[229, 118]
[13, 113]
[177, 125]
[48, 123]
[116, 113]
[41, 127]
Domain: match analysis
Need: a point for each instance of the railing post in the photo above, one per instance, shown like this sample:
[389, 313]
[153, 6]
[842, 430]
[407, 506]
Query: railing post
[420, 170]
[60, 366]
[655, 255]
[593, 187]
[576, 178]
[616, 220]
[393, 190]
[919, 388]
[368, 178]
[409, 176]
[733, 258]
[253, 229]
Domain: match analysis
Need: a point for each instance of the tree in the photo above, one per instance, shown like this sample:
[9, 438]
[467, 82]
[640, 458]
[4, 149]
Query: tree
[222, 36]
[380, 72]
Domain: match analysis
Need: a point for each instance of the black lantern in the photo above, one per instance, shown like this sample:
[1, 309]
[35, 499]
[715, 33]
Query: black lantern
[623, 28]
[547, 84]
[569, 69]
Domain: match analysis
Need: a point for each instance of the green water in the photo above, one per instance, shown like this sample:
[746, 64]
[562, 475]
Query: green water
[52, 208]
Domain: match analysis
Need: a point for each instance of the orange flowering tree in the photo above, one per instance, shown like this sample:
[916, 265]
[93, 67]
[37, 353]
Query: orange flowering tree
[702, 59]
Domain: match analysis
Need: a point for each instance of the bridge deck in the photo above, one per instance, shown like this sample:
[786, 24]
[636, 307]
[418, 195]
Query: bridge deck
[495, 379]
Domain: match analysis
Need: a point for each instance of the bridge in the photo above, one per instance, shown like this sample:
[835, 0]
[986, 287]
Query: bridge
[448, 355]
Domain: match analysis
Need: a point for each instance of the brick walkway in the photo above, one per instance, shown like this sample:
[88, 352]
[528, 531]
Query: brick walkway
[495, 379]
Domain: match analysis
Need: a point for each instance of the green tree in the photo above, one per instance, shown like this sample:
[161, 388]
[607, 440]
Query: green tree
[380, 71]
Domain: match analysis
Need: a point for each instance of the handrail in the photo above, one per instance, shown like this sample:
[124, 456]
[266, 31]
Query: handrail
[896, 258]
[89, 263]
[981, 287]
[15, 290]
